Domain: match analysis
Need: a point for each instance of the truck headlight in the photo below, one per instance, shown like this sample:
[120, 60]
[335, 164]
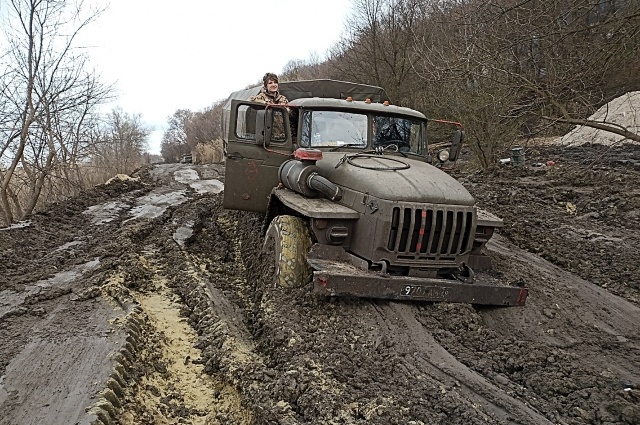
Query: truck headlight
[443, 155]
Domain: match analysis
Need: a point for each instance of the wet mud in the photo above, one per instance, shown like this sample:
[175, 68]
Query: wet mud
[212, 341]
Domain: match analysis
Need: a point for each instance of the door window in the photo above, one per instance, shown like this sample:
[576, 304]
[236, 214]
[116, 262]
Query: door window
[246, 123]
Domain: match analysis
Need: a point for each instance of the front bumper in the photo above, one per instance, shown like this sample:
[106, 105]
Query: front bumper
[338, 273]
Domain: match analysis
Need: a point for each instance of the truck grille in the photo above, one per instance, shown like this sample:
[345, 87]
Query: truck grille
[430, 231]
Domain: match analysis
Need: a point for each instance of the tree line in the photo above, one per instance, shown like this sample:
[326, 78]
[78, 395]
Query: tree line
[188, 130]
[505, 68]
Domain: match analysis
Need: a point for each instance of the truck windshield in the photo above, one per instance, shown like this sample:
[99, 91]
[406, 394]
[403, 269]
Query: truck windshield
[340, 128]
[405, 133]
[333, 128]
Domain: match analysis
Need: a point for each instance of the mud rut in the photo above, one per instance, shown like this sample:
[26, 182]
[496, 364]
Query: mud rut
[182, 325]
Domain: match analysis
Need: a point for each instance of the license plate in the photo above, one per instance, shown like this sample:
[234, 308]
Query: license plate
[427, 292]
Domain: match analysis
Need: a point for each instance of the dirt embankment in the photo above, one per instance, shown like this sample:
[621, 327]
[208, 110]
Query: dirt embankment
[145, 252]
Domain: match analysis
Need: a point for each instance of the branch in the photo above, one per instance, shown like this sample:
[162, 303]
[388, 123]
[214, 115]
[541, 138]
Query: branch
[600, 125]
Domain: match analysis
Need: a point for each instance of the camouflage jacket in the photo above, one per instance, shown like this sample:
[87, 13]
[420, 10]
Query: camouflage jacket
[265, 97]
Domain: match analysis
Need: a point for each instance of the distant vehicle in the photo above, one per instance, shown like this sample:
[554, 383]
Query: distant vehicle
[352, 198]
[187, 159]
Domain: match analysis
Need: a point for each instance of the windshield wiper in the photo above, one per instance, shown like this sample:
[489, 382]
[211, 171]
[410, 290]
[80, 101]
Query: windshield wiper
[414, 154]
[348, 145]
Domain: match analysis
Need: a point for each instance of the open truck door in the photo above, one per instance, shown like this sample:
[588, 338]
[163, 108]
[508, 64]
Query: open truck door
[258, 141]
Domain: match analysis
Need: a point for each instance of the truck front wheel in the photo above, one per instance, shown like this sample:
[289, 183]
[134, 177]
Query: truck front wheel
[289, 239]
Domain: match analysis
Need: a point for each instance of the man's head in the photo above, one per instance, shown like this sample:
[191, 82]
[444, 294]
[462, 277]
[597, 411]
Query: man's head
[270, 81]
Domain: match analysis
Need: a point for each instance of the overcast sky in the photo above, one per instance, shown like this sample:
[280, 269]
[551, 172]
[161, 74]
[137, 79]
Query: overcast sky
[169, 55]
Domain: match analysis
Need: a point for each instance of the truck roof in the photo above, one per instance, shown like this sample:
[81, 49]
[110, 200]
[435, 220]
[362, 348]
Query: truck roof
[323, 88]
[356, 105]
[331, 89]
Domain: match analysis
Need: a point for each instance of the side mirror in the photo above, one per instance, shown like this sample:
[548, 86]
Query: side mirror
[456, 145]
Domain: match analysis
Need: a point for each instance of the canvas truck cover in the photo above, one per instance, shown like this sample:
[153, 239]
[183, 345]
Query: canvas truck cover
[292, 90]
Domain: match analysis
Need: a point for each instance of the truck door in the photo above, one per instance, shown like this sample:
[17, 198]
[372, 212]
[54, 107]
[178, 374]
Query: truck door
[259, 140]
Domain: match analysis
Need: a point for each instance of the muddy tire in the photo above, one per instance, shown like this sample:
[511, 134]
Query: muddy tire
[288, 238]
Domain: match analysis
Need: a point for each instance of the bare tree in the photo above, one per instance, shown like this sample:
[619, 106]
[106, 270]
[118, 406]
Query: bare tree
[529, 61]
[48, 100]
[205, 126]
[306, 69]
[174, 140]
[377, 47]
[452, 65]
[121, 143]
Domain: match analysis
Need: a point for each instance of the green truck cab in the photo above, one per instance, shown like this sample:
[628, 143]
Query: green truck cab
[352, 199]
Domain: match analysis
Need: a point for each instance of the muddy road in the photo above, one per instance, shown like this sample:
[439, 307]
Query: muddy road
[145, 302]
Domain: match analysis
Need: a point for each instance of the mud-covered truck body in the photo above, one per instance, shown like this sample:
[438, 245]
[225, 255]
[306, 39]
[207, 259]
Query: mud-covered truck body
[353, 200]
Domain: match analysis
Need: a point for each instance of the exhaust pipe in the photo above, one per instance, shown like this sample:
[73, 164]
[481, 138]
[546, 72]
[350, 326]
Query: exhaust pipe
[302, 177]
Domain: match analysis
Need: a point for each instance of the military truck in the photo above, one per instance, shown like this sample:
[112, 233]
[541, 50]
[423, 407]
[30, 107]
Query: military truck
[351, 198]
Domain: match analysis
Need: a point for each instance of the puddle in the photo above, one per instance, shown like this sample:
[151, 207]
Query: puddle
[68, 245]
[156, 203]
[210, 171]
[183, 233]
[10, 300]
[163, 170]
[69, 276]
[186, 176]
[18, 225]
[105, 213]
[190, 176]
[207, 186]
[591, 236]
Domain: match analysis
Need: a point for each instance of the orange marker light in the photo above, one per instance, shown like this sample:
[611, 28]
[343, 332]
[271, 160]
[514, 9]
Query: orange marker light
[367, 100]
[349, 99]
[385, 103]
